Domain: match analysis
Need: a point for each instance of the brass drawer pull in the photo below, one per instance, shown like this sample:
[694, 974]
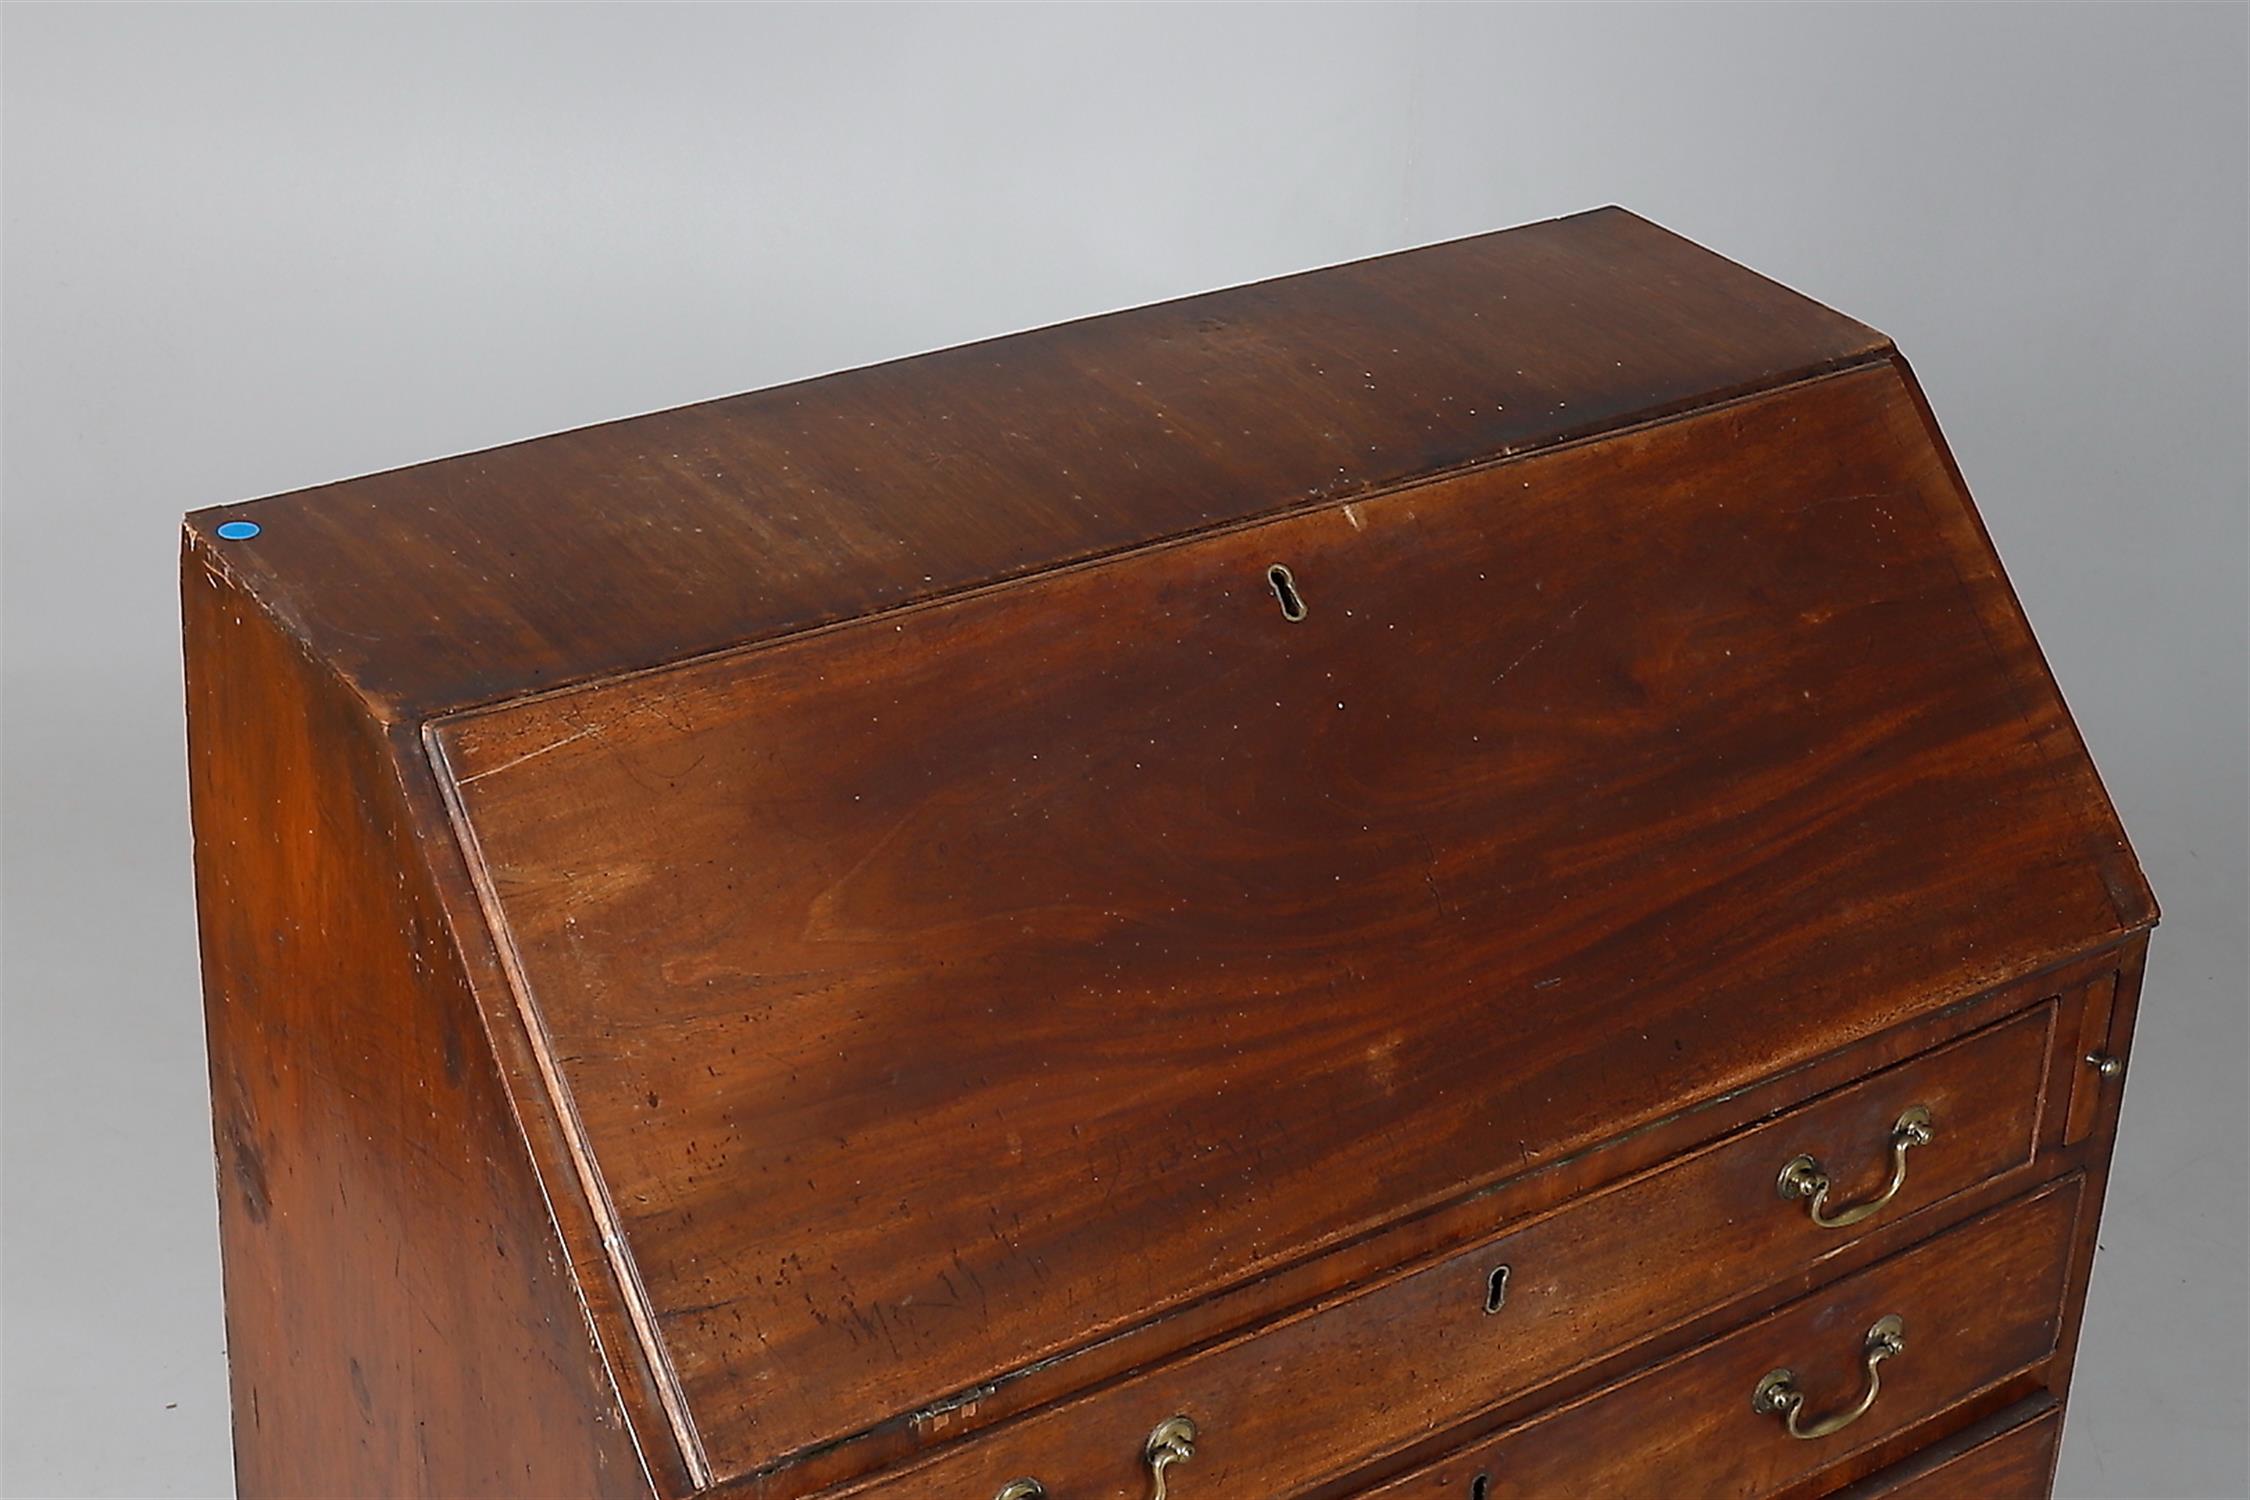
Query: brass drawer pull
[1777, 1394]
[1173, 1442]
[1804, 1177]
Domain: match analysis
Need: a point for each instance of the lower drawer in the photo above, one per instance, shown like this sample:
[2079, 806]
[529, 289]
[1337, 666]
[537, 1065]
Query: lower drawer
[1966, 1310]
[2010, 1456]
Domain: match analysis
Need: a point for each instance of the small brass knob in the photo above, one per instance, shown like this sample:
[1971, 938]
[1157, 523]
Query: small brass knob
[2104, 1064]
[1022, 1489]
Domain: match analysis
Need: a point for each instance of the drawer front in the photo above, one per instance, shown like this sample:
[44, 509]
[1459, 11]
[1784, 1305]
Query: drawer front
[2009, 1457]
[1969, 1309]
[1453, 1337]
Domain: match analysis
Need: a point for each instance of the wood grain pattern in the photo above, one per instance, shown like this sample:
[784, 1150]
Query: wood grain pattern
[2092, 1154]
[2087, 1084]
[936, 1000]
[1608, 1269]
[400, 1316]
[1980, 1303]
[643, 541]
[1148, 1353]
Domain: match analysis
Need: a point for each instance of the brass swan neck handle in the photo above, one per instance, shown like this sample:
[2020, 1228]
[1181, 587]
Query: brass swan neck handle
[1804, 1177]
[1777, 1394]
[1173, 1442]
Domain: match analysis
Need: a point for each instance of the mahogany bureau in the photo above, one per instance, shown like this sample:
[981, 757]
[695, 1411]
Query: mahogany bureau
[1454, 876]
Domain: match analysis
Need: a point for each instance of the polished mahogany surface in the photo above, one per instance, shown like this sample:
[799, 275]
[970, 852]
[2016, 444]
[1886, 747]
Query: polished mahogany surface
[888, 934]
[1975, 1307]
[943, 992]
[643, 541]
[1444, 1342]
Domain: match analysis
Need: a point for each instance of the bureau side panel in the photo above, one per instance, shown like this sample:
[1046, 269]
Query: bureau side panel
[400, 1319]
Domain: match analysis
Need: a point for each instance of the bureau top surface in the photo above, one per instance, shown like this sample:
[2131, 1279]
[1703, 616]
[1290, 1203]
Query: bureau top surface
[661, 537]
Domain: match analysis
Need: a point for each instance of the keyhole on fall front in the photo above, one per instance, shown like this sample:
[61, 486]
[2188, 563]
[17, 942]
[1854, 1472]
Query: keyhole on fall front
[1285, 589]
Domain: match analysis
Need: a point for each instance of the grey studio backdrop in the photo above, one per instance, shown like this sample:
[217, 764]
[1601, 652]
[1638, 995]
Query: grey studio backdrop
[253, 249]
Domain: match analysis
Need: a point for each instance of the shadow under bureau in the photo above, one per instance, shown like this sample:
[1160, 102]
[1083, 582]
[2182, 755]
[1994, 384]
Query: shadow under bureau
[1456, 875]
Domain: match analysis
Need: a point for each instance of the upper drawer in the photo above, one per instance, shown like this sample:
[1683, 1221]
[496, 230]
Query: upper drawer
[936, 995]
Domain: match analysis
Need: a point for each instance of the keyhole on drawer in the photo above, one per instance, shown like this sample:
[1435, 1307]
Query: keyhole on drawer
[1285, 589]
[1496, 1289]
[1480, 1487]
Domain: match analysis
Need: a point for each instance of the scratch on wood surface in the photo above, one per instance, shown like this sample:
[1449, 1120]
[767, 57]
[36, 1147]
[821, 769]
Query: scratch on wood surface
[532, 754]
[1531, 649]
